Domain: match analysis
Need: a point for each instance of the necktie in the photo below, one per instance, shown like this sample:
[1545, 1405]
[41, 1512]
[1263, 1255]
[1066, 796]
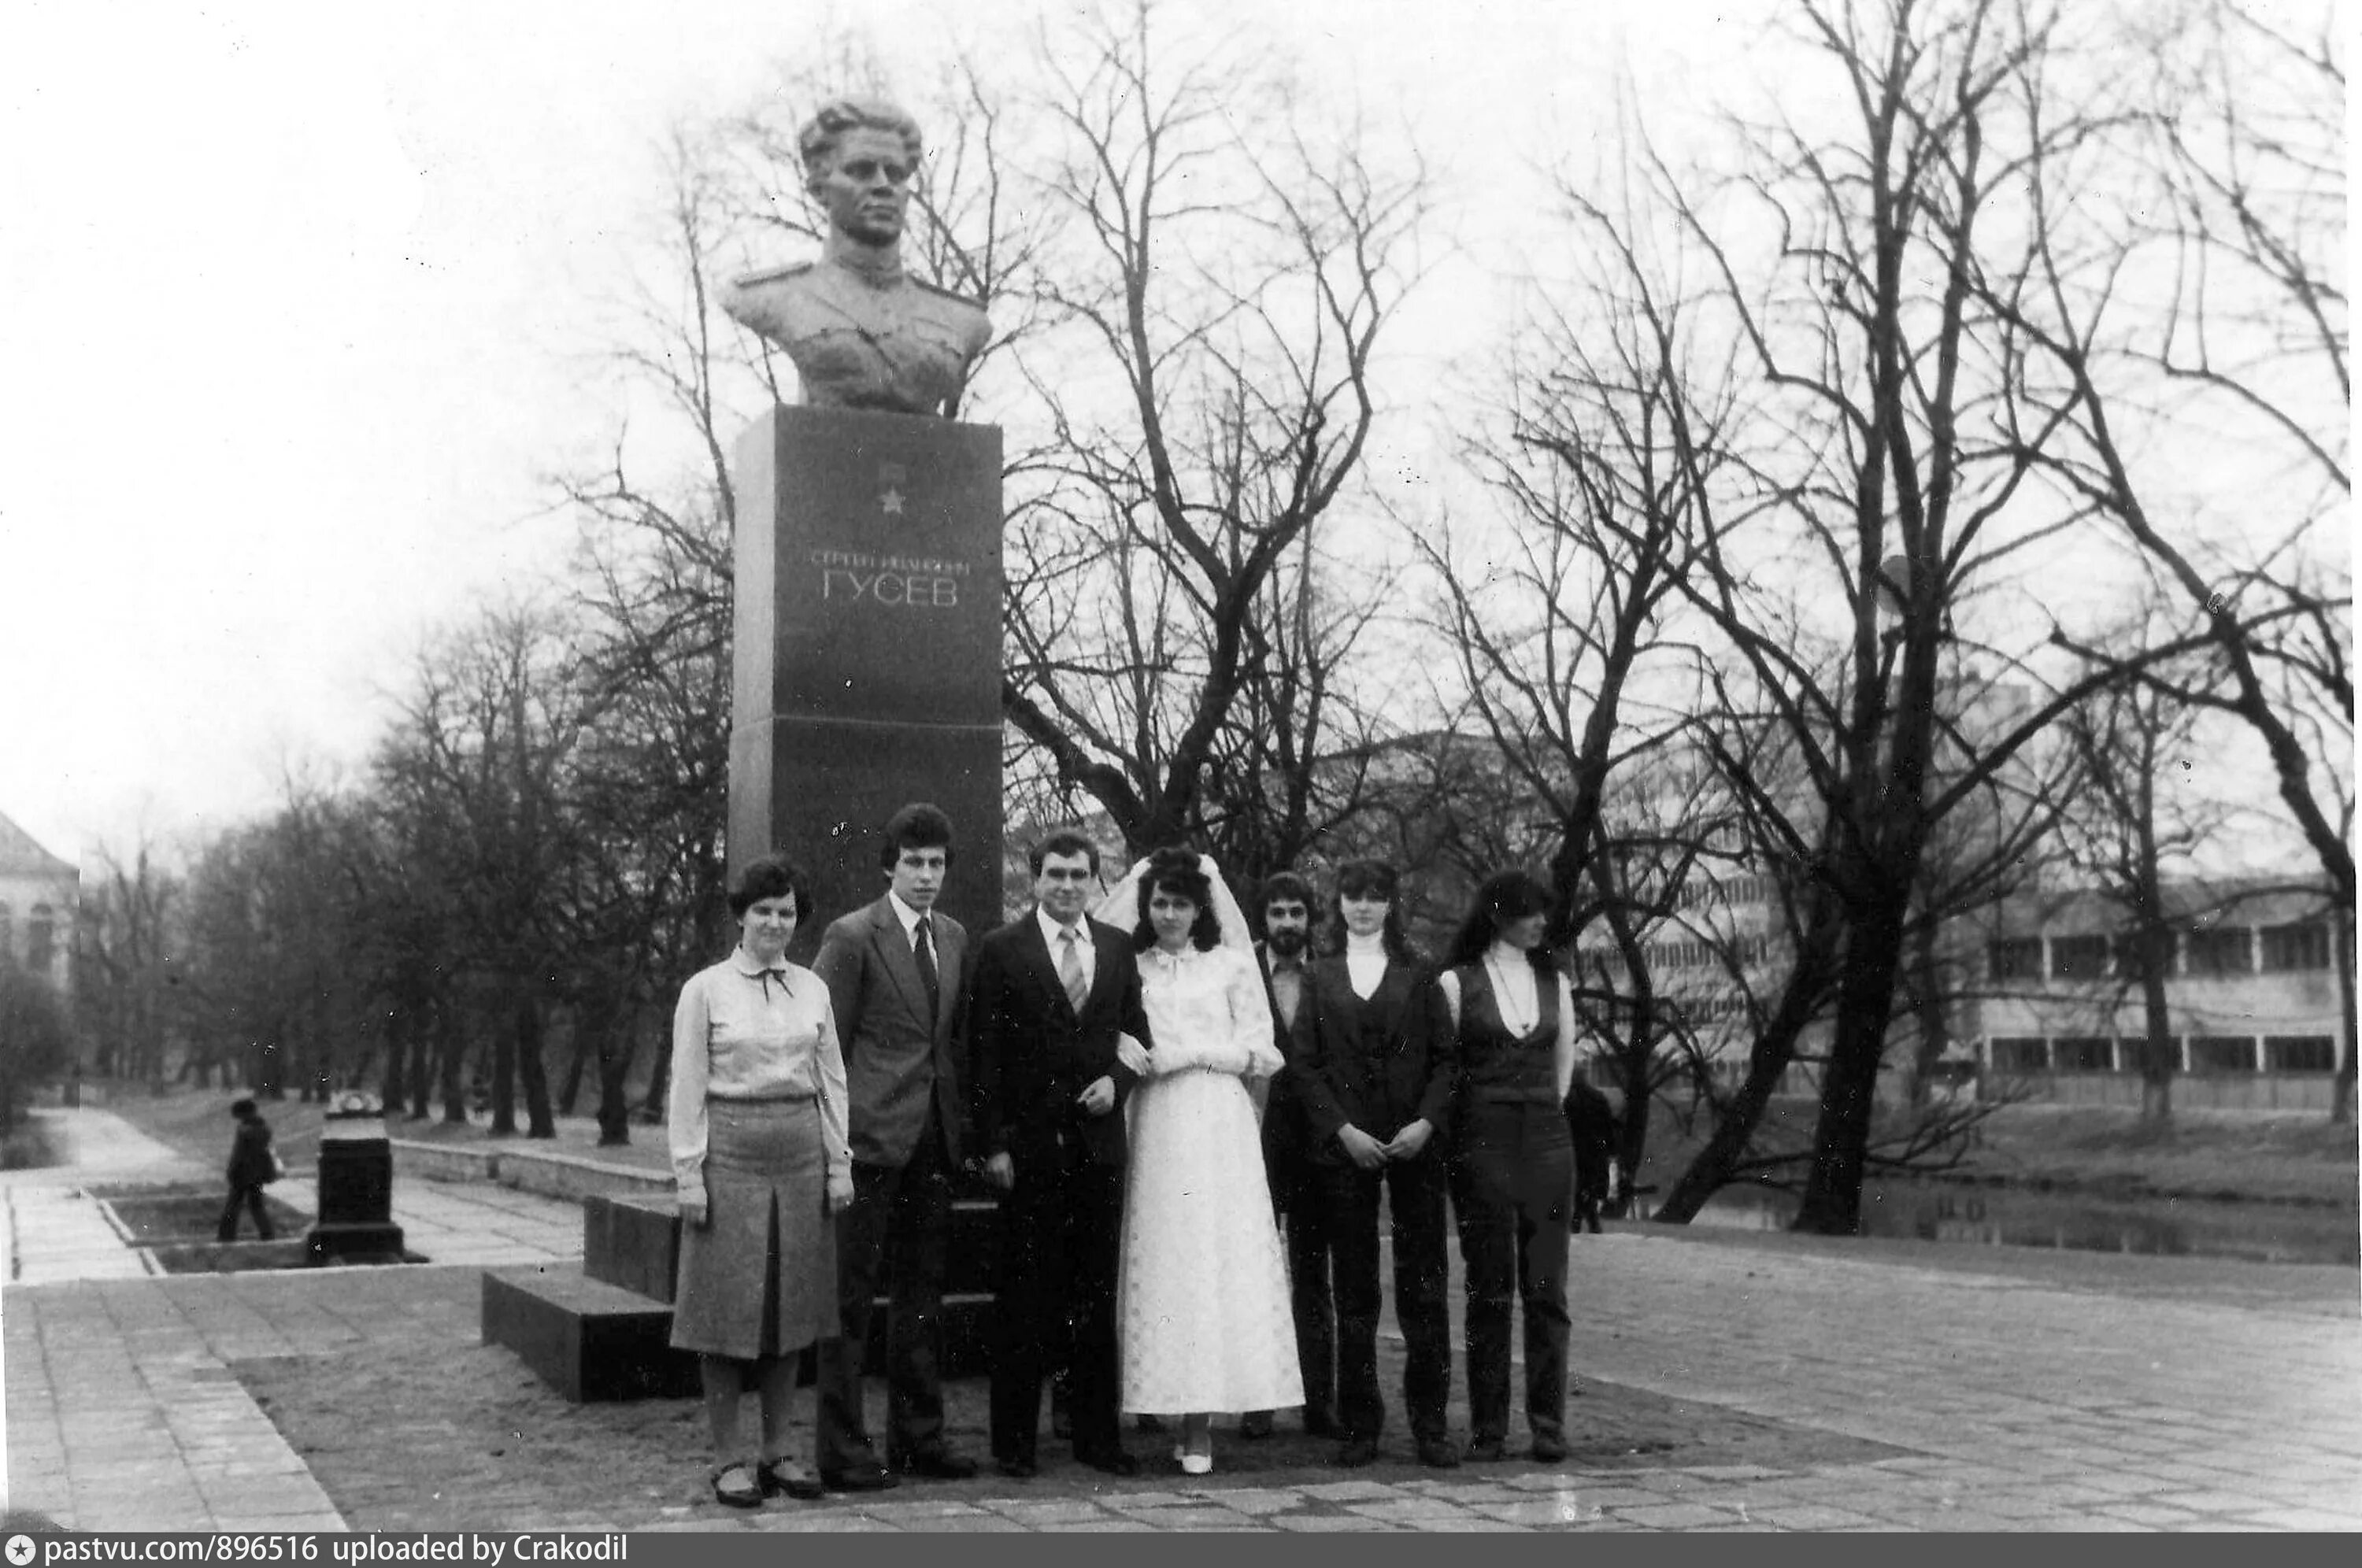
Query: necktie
[1070, 969]
[767, 976]
[924, 950]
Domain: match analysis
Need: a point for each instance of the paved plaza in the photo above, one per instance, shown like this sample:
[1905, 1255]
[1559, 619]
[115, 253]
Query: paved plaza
[1917, 1386]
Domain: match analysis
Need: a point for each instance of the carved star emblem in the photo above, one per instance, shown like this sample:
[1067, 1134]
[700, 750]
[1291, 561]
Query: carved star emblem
[892, 501]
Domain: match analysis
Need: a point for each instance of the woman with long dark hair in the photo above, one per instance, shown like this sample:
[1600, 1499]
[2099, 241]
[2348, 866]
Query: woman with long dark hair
[1375, 1064]
[1201, 1294]
[1513, 1162]
[756, 1121]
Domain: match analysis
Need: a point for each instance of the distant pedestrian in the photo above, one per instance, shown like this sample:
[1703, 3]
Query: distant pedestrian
[252, 1165]
[761, 1163]
[1591, 1124]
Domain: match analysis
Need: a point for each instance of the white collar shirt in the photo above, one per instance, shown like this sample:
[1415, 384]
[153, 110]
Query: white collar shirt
[1054, 934]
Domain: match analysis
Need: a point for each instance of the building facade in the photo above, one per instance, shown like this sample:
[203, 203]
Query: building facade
[2256, 1001]
[40, 897]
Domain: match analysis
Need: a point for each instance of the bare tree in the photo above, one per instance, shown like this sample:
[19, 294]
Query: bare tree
[1204, 387]
[2130, 830]
[2235, 198]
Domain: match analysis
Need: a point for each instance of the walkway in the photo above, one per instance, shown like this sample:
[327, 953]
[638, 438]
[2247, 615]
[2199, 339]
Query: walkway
[1927, 1387]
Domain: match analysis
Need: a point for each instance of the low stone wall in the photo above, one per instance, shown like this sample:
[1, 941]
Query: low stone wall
[440, 1162]
[545, 1171]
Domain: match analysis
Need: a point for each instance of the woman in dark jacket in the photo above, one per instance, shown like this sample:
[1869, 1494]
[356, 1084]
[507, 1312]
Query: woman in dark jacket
[1375, 1065]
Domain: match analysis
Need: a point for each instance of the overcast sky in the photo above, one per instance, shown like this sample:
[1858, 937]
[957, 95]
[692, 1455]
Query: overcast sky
[294, 318]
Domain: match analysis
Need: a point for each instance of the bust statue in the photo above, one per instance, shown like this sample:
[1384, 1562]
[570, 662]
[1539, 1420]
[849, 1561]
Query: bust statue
[861, 331]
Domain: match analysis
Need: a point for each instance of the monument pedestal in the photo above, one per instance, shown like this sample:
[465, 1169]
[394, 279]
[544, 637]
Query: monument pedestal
[866, 650]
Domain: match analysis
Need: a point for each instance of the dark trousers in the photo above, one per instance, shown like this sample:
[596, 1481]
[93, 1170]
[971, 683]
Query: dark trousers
[1061, 1226]
[1511, 1185]
[250, 1196]
[1310, 1296]
[900, 1221]
[1348, 1198]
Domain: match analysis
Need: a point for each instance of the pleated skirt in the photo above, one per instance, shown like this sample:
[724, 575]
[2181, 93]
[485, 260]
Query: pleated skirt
[759, 1277]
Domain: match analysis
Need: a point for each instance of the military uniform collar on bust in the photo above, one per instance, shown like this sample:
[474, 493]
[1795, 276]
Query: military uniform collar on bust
[879, 269]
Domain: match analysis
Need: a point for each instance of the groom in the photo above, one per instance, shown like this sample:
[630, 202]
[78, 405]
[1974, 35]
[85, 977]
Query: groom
[1048, 995]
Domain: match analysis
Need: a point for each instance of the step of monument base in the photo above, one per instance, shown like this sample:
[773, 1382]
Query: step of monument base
[594, 1342]
[590, 1341]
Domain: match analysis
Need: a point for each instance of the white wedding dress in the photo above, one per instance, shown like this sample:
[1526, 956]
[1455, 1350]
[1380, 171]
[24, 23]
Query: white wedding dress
[1202, 1292]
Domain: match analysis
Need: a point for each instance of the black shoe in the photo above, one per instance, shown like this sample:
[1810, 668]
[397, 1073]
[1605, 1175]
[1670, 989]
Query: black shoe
[1255, 1424]
[749, 1496]
[787, 1478]
[862, 1475]
[1113, 1461]
[1437, 1454]
[1549, 1447]
[1485, 1451]
[1020, 1469]
[1318, 1422]
[1356, 1453]
[937, 1464]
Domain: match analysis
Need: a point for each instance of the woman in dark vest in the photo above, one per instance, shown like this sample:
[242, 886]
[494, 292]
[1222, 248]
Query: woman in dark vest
[1374, 1067]
[1512, 1161]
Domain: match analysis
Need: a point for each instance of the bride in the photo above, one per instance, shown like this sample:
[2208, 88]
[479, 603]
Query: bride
[1202, 1292]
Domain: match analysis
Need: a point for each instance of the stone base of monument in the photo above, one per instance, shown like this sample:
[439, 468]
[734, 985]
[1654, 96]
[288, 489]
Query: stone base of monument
[590, 1341]
[603, 1329]
[366, 1242]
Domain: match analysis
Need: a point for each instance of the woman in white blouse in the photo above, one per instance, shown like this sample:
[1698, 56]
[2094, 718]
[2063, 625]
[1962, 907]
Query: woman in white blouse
[760, 1159]
[1201, 1294]
[1512, 1161]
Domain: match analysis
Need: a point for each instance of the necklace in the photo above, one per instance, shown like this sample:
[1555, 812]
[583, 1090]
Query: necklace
[1527, 1011]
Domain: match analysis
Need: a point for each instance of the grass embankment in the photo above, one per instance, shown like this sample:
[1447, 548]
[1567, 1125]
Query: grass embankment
[2282, 1158]
[2263, 1157]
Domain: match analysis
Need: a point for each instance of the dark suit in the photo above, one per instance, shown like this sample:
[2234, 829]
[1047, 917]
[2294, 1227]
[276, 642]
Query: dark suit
[907, 1117]
[1034, 1053]
[1380, 1065]
[1287, 1157]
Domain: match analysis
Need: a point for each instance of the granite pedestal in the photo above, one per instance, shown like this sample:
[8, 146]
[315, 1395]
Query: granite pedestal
[866, 650]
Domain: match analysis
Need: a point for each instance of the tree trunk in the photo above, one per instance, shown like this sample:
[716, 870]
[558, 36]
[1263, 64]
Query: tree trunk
[617, 1044]
[1735, 1120]
[539, 1120]
[652, 1106]
[584, 1030]
[503, 1085]
[1832, 1205]
[2160, 1054]
[1928, 999]
[2341, 1093]
[450, 1049]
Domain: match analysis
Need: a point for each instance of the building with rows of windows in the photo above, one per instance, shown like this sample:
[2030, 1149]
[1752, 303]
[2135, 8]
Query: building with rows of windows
[40, 895]
[2254, 996]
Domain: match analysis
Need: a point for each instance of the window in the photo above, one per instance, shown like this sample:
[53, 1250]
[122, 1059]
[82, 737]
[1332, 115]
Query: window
[2132, 1055]
[2079, 957]
[2223, 950]
[2017, 958]
[2300, 1054]
[2223, 1053]
[2020, 1055]
[2084, 1053]
[38, 940]
[2303, 946]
